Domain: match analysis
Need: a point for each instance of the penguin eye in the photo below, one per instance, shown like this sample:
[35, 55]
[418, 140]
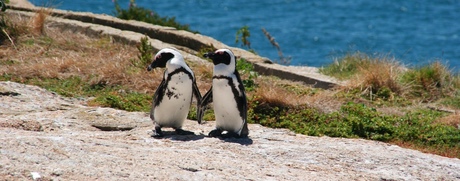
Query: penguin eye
[220, 53]
[158, 56]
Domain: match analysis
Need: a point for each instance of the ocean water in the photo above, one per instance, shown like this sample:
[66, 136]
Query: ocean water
[314, 33]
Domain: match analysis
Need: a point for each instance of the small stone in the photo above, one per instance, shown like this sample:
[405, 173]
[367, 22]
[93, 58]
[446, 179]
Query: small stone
[35, 175]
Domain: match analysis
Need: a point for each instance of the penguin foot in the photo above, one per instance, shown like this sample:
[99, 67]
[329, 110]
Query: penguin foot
[215, 133]
[157, 133]
[183, 132]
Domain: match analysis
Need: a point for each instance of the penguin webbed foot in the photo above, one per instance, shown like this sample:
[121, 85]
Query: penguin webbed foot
[226, 134]
[180, 131]
[215, 133]
[157, 133]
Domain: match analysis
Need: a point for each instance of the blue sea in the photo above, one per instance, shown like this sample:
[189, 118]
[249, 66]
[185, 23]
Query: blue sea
[315, 32]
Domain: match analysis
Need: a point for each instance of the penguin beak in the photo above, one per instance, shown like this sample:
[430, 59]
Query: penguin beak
[152, 65]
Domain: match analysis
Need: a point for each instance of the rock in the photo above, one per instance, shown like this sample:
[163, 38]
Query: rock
[21, 3]
[69, 147]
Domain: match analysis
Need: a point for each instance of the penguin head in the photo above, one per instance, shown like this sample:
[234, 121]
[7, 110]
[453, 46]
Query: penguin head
[163, 57]
[224, 61]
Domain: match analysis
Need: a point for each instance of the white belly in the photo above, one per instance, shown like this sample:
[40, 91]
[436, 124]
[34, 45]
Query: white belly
[225, 107]
[174, 107]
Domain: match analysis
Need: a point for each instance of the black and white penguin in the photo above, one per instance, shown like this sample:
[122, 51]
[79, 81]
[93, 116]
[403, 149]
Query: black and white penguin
[173, 97]
[228, 96]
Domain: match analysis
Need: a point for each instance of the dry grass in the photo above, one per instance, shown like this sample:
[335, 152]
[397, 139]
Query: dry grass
[439, 150]
[65, 54]
[383, 77]
[375, 75]
[102, 61]
[38, 21]
[11, 30]
[273, 94]
[284, 93]
[326, 101]
[451, 120]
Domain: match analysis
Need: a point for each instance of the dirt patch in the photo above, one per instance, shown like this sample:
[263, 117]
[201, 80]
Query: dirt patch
[21, 124]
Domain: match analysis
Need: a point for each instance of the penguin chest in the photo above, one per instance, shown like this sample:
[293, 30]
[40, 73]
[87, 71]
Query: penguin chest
[175, 104]
[225, 106]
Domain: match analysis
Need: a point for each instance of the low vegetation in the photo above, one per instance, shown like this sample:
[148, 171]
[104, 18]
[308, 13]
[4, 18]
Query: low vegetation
[135, 12]
[242, 37]
[415, 108]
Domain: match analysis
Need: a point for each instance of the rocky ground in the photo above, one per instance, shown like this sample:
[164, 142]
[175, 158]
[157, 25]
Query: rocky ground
[48, 137]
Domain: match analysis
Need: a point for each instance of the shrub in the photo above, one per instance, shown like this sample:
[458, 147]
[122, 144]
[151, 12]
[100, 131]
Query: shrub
[9, 31]
[38, 21]
[380, 77]
[3, 4]
[373, 77]
[148, 16]
[368, 123]
[246, 70]
[242, 35]
[145, 55]
[347, 66]
[431, 82]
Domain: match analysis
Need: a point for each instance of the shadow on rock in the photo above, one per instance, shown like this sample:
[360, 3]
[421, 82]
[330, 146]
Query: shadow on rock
[241, 141]
[172, 135]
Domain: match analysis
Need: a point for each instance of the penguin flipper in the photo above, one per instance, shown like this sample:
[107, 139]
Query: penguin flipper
[157, 97]
[207, 98]
[244, 130]
[242, 100]
[198, 98]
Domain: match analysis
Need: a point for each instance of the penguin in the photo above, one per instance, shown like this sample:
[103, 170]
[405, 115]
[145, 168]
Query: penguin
[173, 97]
[228, 97]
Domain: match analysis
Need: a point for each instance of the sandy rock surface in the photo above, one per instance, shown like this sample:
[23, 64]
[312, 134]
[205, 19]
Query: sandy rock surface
[48, 137]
